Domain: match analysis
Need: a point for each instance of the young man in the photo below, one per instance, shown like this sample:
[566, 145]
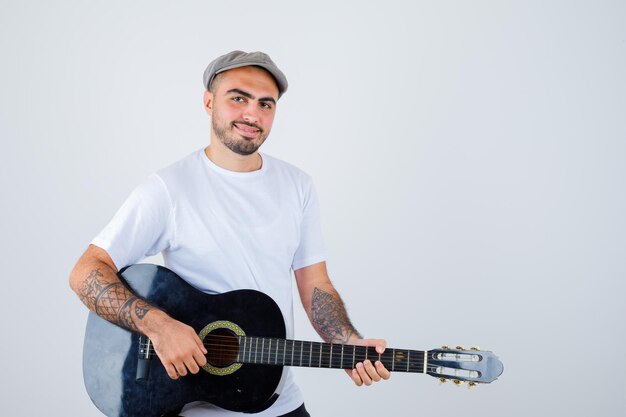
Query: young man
[225, 217]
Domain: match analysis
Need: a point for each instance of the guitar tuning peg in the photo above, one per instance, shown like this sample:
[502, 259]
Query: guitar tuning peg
[474, 348]
[442, 380]
[457, 382]
[471, 384]
[460, 347]
[446, 347]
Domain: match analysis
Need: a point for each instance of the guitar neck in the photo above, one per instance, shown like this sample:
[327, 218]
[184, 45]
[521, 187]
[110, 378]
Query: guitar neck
[285, 352]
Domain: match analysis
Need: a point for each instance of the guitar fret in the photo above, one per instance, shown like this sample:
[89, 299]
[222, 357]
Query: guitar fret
[321, 351]
[284, 352]
[256, 347]
[262, 349]
[276, 356]
[269, 352]
[301, 349]
[353, 356]
[293, 346]
[341, 364]
[408, 360]
[239, 352]
[330, 362]
[425, 361]
[310, 353]
[393, 360]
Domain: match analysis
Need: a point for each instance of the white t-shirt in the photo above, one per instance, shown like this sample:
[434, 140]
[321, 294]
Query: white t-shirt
[222, 230]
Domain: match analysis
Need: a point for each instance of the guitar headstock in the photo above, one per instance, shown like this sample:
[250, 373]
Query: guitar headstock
[460, 365]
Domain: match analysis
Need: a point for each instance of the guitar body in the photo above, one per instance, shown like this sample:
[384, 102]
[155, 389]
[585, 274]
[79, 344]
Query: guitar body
[111, 354]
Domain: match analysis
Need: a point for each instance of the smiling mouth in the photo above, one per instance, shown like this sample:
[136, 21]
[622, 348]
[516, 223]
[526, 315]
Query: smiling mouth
[247, 130]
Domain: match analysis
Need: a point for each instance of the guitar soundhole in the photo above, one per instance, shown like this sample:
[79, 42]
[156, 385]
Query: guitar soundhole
[222, 346]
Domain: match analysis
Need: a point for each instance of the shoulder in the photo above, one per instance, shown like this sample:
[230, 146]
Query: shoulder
[286, 170]
[179, 172]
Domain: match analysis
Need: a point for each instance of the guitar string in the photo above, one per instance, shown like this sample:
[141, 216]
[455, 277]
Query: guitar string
[227, 355]
[220, 352]
[231, 349]
[296, 345]
[236, 341]
[226, 351]
[414, 367]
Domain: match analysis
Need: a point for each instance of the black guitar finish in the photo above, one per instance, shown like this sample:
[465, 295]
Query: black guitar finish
[244, 333]
[111, 353]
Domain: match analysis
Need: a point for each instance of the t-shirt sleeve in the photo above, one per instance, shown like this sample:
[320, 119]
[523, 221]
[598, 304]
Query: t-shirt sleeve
[312, 248]
[142, 227]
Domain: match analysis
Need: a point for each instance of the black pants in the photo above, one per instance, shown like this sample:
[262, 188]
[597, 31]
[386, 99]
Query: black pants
[298, 412]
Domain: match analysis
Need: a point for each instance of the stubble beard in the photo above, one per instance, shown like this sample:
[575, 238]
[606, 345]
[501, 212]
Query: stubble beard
[232, 140]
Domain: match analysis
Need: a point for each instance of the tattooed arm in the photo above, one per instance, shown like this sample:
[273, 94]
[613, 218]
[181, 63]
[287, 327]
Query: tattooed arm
[95, 281]
[330, 319]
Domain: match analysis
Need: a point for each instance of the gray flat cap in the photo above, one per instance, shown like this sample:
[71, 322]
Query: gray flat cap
[236, 59]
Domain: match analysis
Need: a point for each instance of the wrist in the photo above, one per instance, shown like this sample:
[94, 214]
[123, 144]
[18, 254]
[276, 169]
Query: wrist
[153, 322]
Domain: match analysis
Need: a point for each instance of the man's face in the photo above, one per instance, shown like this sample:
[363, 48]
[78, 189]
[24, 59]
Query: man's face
[242, 108]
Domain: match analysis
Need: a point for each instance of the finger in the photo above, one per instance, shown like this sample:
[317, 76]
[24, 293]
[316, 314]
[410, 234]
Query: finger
[181, 368]
[171, 371]
[371, 370]
[192, 365]
[382, 371]
[355, 377]
[363, 374]
[381, 345]
[200, 344]
[199, 358]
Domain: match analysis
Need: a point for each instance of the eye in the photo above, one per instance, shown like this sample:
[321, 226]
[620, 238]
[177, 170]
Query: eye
[238, 99]
[266, 105]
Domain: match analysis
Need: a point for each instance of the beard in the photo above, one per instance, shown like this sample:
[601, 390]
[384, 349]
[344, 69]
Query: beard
[225, 132]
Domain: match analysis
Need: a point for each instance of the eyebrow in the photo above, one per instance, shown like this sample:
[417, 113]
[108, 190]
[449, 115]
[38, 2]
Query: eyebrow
[248, 95]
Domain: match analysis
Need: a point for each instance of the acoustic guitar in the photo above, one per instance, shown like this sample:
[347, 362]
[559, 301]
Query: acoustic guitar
[244, 333]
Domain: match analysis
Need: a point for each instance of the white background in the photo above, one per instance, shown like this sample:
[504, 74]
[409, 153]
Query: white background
[469, 158]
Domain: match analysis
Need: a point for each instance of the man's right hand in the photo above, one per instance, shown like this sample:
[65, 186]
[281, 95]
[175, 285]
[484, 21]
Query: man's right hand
[177, 344]
[95, 280]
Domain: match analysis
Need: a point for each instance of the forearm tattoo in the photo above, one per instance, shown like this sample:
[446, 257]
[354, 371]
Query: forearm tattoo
[329, 317]
[112, 301]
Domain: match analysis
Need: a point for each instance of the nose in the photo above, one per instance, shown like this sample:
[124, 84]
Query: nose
[251, 114]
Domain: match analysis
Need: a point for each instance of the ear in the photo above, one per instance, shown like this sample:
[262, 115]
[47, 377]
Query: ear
[208, 102]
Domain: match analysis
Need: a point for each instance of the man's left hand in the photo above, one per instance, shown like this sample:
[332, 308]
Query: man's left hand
[367, 372]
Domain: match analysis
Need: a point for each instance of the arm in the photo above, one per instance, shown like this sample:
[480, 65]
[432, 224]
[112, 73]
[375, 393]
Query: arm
[95, 281]
[329, 318]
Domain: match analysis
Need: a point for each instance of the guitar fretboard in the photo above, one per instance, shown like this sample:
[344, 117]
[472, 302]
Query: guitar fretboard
[285, 352]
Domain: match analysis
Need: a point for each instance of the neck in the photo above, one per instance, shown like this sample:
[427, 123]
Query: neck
[272, 351]
[227, 159]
